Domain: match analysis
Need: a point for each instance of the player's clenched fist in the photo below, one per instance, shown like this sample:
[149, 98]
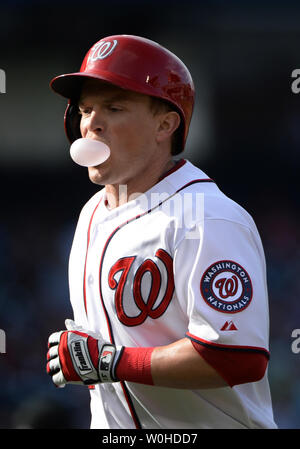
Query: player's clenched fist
[78, 356]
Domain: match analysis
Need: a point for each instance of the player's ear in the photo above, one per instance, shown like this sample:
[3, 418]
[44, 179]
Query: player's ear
[167, 125]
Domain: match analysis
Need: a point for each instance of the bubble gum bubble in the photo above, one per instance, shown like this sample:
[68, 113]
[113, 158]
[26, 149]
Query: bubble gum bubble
[88, 152]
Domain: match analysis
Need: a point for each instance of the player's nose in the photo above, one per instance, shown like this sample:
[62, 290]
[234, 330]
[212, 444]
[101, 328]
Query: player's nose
[93, 124]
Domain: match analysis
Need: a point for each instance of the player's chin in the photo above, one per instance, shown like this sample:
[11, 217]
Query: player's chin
[97, 175]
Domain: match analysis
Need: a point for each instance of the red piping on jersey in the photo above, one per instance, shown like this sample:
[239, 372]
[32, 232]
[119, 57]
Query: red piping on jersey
[123, 385]
[222, 347]
[124, 388]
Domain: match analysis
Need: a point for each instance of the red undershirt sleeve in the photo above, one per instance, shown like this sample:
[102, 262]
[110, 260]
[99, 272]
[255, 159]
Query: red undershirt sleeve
[235, 365]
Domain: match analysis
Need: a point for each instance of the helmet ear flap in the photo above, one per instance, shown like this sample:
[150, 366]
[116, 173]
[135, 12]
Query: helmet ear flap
[72, 122]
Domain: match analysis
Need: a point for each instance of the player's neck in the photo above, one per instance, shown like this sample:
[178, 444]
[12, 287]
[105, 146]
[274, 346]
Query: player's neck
[119, 194]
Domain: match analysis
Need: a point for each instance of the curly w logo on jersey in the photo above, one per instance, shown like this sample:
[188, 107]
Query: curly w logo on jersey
[150, 297]
[226, 286]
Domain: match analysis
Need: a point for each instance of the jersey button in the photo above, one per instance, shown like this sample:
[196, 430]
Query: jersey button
[90, 279]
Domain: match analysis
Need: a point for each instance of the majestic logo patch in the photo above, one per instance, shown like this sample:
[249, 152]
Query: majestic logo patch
[229, 326]
[226, 286]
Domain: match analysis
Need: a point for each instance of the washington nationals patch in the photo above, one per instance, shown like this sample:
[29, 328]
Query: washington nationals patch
[226, 286]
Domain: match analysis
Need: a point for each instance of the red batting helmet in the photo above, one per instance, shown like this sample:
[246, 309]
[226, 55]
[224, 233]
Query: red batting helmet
[132, 63]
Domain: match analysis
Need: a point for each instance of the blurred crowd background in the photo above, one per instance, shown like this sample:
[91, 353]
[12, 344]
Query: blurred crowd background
[245, 134]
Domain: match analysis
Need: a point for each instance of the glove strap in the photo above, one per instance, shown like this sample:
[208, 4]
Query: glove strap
[108, 358]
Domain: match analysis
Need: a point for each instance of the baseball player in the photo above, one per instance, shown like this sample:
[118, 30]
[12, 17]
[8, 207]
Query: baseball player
[167, 274]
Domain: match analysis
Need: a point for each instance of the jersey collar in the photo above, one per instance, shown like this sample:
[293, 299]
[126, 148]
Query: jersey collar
[181, 175]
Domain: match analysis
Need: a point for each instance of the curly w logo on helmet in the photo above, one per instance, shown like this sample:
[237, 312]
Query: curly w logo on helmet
[102, 49]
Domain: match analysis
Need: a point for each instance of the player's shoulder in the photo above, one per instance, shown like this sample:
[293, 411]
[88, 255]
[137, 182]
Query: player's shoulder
[196, 188]
[219, 206]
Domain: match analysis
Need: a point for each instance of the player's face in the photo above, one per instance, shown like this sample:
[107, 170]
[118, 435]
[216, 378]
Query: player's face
[125, 122]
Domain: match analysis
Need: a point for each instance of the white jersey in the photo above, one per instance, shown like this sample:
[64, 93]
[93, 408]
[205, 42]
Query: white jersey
[180, 260]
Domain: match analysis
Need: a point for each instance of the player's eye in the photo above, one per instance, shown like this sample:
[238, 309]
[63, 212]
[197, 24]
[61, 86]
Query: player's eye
[84, 111]
[114, 108]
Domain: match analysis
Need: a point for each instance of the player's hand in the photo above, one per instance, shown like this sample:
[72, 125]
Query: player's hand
[79, 356]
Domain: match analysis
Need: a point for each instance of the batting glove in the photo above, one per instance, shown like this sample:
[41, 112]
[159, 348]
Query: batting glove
[78, 356]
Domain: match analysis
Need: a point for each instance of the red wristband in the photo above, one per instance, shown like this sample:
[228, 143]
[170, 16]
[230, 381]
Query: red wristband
[135, 365]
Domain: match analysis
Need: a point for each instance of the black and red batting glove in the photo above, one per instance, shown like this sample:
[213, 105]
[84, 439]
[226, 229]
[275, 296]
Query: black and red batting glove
[78, 356]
